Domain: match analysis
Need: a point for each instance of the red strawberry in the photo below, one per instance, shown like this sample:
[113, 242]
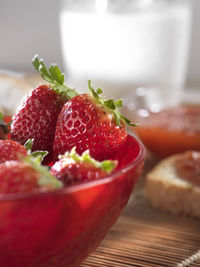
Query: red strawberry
[19, 176]
[72, 168]
[37, 116]
[11, 150]
[90, 122]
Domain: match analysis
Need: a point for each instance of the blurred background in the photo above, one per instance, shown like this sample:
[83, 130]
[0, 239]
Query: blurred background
[121, 45]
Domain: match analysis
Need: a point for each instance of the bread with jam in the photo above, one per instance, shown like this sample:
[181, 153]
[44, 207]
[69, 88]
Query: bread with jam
[174, 184]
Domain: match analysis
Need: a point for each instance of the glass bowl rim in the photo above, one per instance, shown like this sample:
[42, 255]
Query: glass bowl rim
[76, 187]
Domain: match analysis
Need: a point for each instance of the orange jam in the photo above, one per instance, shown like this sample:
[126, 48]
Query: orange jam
[171, 131]
[188, 167]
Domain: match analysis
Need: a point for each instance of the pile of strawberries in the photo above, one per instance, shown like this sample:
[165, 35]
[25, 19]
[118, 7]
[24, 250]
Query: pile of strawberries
[73, 134]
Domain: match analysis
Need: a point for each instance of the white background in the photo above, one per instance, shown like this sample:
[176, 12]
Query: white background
[28, 27]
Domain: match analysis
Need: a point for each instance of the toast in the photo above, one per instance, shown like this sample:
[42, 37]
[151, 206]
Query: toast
[168, 191]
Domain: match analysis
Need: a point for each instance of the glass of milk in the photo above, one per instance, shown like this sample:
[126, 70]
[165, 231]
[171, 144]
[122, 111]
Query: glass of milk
[127, 47]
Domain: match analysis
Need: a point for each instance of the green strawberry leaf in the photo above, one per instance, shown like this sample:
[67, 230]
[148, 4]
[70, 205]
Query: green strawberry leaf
[39, 154]
[45, 177]
[106, 165]
[54, 77]
[118, 103]
[57, 74]
[28, 145]
[112, 105]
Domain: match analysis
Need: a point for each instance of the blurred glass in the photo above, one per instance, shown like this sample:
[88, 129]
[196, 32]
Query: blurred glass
[127, 47]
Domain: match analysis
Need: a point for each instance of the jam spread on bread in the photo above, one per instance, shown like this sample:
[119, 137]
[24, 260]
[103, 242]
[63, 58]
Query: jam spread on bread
[188, 167]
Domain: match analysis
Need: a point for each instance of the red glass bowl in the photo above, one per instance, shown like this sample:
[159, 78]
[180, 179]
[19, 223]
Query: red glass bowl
[61, 228]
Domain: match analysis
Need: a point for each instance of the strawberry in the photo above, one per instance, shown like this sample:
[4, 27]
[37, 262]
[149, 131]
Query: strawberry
[88, 121]
[73, 169]
[20, 176]
[37, 116]
[11, 150]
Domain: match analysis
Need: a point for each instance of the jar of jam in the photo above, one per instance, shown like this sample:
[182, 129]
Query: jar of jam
[170, 131]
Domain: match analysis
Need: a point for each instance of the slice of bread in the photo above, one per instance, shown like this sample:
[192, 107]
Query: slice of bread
[169, 192]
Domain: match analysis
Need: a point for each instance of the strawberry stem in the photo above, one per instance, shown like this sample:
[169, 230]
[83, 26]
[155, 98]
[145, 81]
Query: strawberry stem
[112, 105]
[106, 165]
[54, 77]
[45, 177]
[39, 154]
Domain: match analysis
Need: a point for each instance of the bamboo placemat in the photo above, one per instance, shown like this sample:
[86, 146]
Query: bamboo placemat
[146, 237]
